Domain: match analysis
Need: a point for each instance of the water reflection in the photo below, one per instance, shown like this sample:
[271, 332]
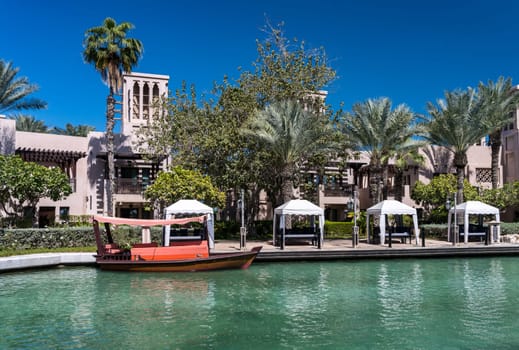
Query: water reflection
[410, 304]
[484, 297]
[400, 298]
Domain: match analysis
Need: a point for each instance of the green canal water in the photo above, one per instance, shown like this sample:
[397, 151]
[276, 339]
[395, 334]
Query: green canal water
[399, 304]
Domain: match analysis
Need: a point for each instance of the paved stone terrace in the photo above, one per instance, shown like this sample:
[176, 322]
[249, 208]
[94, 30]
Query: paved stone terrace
[338, 249]
[342, 249]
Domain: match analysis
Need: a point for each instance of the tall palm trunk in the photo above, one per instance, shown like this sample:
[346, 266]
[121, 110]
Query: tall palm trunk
[495, 145]
[376, 183]
[460, 162]
[287, 189]
[385, 181]
[110, 121]
[399, 184]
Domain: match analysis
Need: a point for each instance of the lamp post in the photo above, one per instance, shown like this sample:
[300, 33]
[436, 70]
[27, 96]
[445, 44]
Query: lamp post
[448, 207]
[243, 230]
[352, 205]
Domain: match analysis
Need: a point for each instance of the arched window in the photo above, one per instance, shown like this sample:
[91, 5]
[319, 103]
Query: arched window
[146, 101]
[136, 98]
[155, 100]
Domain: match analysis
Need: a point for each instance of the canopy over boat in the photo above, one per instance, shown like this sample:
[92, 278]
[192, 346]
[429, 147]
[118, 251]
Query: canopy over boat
[147, 222]
[148, 256]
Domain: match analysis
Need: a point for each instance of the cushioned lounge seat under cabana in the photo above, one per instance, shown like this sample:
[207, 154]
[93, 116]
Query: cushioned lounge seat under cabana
[390, 207]
[297, 207]
[190, 207]
[472, 208]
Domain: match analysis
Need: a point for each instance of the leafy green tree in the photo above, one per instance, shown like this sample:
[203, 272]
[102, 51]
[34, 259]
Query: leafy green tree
[180, 183]
[499, 100]
[202, 133]
[111, 52]
[503, 197]
[374, 127]
[73, 130]
[456, 124]
[433, 196]
[15, 91]
[291, 135]
[23, 184]
[287, 70]
[30, 124]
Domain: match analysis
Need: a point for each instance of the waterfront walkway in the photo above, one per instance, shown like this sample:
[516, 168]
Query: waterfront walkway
[337, 249]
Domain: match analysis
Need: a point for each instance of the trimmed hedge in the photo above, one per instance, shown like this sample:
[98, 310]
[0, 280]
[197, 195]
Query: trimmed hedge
[68, 237]
[50, 238]
[338, 229]
[46, 238]
[439, 231]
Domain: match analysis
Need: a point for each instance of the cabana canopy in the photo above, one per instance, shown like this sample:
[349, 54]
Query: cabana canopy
[472, 208]
[191, 207]
[298, 207]
[390, 207]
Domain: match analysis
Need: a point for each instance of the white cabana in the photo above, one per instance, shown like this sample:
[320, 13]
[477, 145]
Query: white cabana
[298, 207]
[472, 208]
[188, 207]
[390, 207]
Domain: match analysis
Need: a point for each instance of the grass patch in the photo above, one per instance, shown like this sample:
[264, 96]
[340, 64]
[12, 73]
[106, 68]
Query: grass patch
[11, 252]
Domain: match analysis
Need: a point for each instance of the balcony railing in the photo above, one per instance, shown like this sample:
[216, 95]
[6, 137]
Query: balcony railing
[337, 191]
[130, 186]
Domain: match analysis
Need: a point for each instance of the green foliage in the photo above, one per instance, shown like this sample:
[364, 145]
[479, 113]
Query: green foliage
[205, 134]
[433, 196]
[499, 101]
[504, 197]
[125, 235]
[30, 124]
[23, 184]
[456, 123]
[337, 229]
[111, 52]
[291, 136]
[15, 91]
[46, 238]
[374, 127]
[224, 230]
[179, 183]
[72, 130]
[286, 70]
[434, 231]
[509, 228]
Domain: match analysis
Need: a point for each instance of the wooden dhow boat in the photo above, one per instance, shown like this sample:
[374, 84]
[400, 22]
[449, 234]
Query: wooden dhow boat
[183, 255]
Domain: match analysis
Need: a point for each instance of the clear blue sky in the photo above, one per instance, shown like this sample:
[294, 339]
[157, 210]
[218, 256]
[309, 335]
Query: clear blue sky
[410, 51]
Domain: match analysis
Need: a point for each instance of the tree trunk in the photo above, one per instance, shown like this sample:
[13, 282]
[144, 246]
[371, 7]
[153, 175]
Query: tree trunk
[460, 162]
[385, 178]
[110, 121]
[495, 144]
[399, 184]
[287, 188]
[375, 183]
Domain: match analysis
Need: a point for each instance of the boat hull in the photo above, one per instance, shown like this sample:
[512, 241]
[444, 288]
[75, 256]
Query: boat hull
[217, 261]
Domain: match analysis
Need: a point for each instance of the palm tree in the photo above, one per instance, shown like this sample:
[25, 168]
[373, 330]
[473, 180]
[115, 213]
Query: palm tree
[73, 130]
[455, 123]
[292, 135]
[375, 128]
[498, 101]
[29, 123]
[405, 155]
[111, 53]
[14, 92]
